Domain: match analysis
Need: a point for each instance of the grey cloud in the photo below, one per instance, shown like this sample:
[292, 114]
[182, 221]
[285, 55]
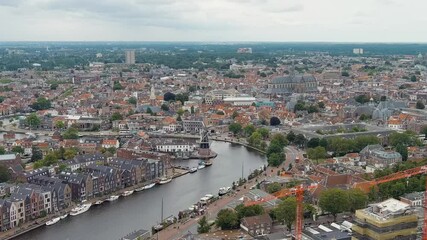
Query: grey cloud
[11, 3]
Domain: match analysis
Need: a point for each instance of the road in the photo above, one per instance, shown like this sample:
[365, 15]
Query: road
[291, 154]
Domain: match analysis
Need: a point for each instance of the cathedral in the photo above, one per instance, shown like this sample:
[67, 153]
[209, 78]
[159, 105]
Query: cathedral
[292, 84]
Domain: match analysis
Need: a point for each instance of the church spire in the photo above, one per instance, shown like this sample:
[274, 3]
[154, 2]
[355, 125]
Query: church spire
[152, 96]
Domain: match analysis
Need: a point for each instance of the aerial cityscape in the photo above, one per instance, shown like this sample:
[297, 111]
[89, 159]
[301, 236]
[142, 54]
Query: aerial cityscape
[140, 120]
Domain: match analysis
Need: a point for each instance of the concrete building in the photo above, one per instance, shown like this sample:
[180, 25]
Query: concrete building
[415, 199]
[358, 51]
[257, 225]
[390, 219]
[130, 56]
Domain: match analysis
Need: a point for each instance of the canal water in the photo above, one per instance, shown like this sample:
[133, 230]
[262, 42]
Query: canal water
[143, 209]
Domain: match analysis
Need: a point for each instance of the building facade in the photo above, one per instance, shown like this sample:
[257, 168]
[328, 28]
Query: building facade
[292, 84]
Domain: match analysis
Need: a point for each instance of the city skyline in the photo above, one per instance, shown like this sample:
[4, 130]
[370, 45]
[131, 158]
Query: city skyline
[213, 21]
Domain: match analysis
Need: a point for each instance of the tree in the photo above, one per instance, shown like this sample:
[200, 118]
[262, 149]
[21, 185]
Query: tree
[334, 201]
[275, 159]
[50, 159]
[165, 107]
[112, 150]
[18, 149]
[403, 150]
[41, 104]
[249, 129]
[169, 97]
[274, 187]
[227, 219]
[300, 140]
[264, 132]
[53, 86]
[235, 114]
[383, 98]
[132, 100]
[413, 78]
[424, 131]
[117, 86]
[4, 174]
[312, 143]
[70, 153]
[345, 74]
[192, 111]
[291, 136]
[420, 105]
[286, 212]
[321, 105]
[36, 154]
[357, 199]
[274, 121]
[59, 124]
[149, 111]
[279, 139]
[182, 97]
[71, 133]
[317, 153]
[255, 139]
[235, 128]
[204, 226]
[2, 150]
[116, 116]
[33, 120]
[362, 99]
[274, 147]
[405, 138]
[248, 211]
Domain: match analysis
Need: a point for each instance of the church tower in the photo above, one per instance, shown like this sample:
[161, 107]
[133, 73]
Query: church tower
[152, 96]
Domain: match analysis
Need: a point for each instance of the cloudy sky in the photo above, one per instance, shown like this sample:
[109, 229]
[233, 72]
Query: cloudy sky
[214, 20]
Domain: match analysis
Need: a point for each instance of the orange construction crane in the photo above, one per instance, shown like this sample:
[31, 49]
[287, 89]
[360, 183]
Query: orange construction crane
[364, 186]
[298, 191]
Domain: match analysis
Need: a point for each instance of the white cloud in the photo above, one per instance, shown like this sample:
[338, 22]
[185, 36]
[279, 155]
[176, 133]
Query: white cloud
[213, 20]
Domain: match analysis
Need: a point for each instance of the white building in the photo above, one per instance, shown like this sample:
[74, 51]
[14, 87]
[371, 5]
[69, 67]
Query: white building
[240, 101]
[130, 56]
[358, 51]
[175, 145]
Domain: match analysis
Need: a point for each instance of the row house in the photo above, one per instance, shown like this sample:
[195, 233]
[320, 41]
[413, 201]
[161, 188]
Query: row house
[17, 210]
[60, 191]
[5, 207]
[38, 201]
[111, 177]
[81, 161]
[154, 169]
[29, 176]
[134, 167]
[81, 185]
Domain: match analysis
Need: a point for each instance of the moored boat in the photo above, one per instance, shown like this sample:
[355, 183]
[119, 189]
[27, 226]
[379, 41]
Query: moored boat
[139, 189]
[201, 165]
[149, 186]
[99, 202]
[208, 163]
[193, 170]
[64, 216]
[224, 190]
[80, 209]
[53, 221]
[127, 193]
[112, 198]
[165, 180]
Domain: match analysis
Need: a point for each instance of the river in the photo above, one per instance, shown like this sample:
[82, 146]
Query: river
[143, 209]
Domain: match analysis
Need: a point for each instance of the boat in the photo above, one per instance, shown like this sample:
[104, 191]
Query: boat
[99, 202]
[53, 221]
[193, 170]
[64, 216]
[208, 163]
[201, 165]
[127, 193]
[80, 209]
[139, 189]
[113, 198]
[165, 180]
[224, 190]
[149, 186]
